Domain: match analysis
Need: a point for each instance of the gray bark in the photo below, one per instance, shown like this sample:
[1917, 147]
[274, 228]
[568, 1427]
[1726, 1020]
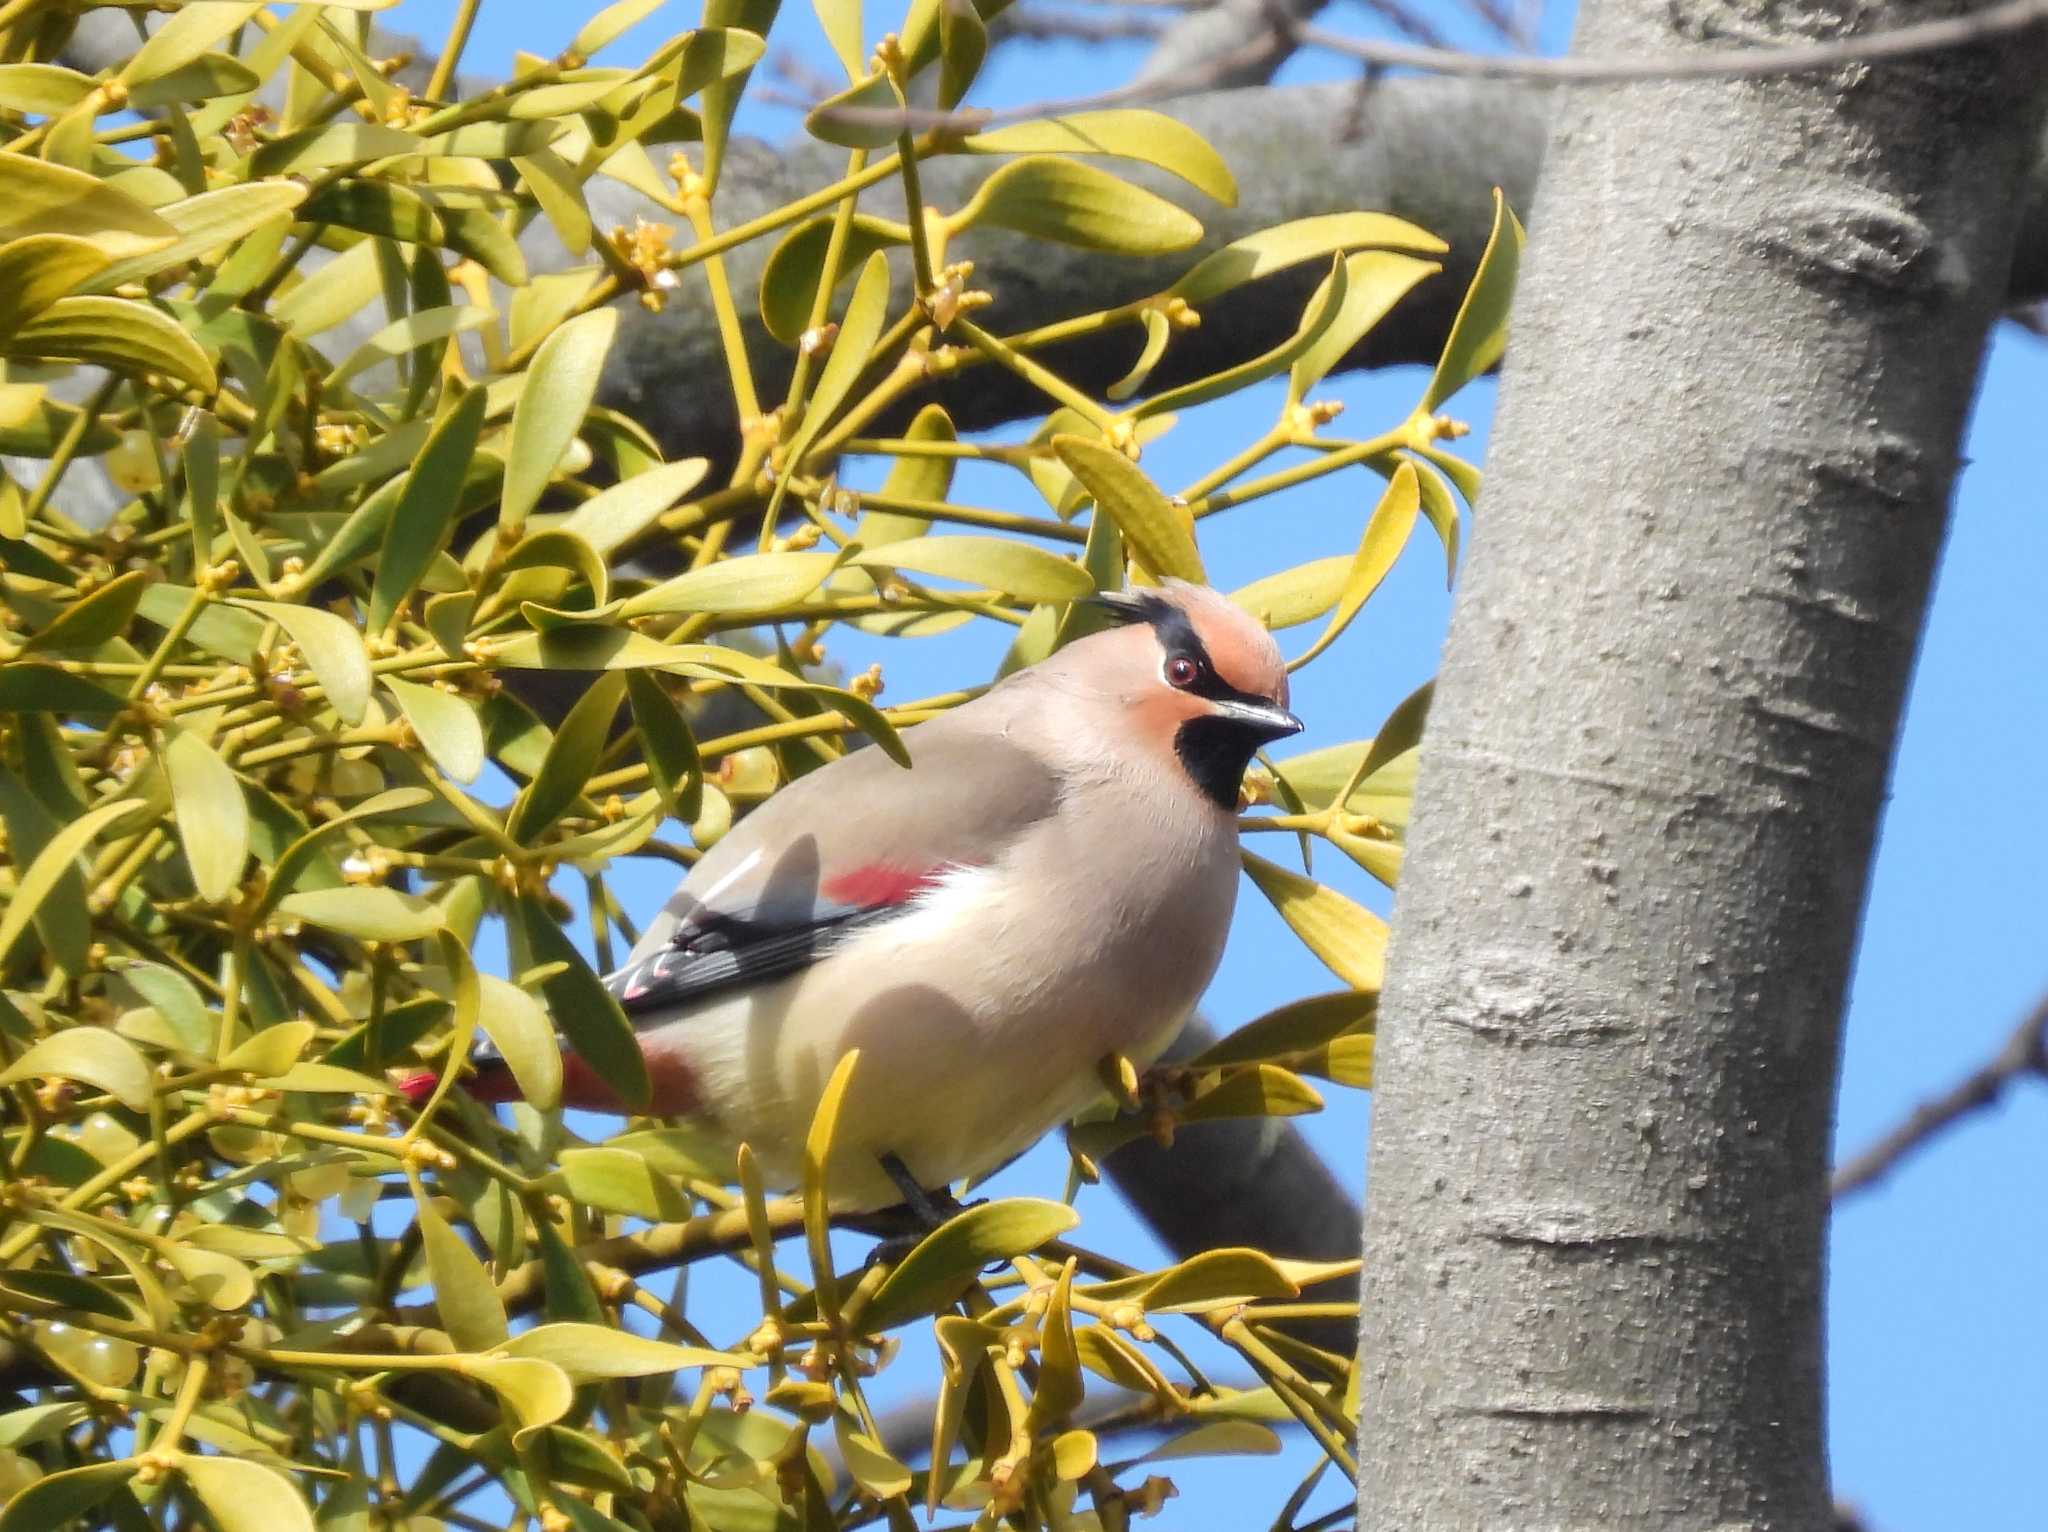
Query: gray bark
[1747, 339]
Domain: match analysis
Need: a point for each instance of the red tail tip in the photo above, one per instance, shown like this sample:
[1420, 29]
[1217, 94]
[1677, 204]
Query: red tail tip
[416, 1088]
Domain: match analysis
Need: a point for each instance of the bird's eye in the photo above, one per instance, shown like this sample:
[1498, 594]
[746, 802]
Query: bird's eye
[1183, 671]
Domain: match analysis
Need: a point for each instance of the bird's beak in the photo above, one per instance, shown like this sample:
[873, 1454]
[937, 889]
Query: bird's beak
[1260, 718]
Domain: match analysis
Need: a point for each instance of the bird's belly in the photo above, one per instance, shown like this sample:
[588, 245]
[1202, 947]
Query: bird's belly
[973, 1042]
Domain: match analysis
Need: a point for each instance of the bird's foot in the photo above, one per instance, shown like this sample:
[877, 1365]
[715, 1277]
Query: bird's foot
[930, 1208]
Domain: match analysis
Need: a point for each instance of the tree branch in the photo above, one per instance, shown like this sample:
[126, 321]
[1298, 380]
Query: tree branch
[2025, 1053]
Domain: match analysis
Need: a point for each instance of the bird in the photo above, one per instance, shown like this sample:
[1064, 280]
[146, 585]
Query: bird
[1048, 886]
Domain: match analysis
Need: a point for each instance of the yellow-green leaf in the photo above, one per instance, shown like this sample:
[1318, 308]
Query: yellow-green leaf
[120, 333]
[556, 187]
[559, 388]
[583, 1009]
[1298, 595]
[1217, 1438]
[1158, 330]
[871, 1465]
[669, 747]
[1159, 533]
[1375, 280]
[471, 1311]
[217, 1279]
[963, 44]
[91, 621]
[426, 509]
[1289, 244]
[330, 147]
[1261, 1090]
[1480, 332]
[1126, 133]
[841, 22]
[586, 1351]
[789, 280]
[57, 858]
[333, 649]
[1071, 202]
[239, 1495]
[205, 77]
[866, 115]
[859, 328]
[944, 1261]
[35, 272]
[1386, 534]
[272, 1051]
[1059, 1390]
[538, 1393]
[572, 755]
[91, 1055]
[610, 24]
[1017, 569]
[1350, 939]
[44, 90]
[60, 1499]
[38, 197]
[1294, 1028]
[620, 1181]
[213, 817]
[1323, 307]
[206, 223]
[817, 1160]
[621, 513]
[446, 723]
[753, 582]
[368, 914]
[194, 29]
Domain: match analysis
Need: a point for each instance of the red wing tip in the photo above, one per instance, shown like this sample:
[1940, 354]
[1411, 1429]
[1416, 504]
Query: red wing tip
[880, 884]
[416, 1088]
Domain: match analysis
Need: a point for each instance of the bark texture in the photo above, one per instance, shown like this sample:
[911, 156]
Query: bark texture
[1748, 334]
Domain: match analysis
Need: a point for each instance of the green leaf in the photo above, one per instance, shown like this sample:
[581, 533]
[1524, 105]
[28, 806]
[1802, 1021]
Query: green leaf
[1289, 244]
[38, 197]
[205, 77]
[1160, 534]
[331, 147]
[871, 1465]
[471, 1311]
[558, 189]
[333, 650]
[866, 115]
[213, 817]
[368, 914]
[619, 1181]
[1298, 595]
[608, 520]
[426, 510]
[45, 689]
[1350, 939]
[476, 233]
[378, 207]
[1323, 307]
[1386, 534]
[208, 222]
[188, 34]
[242, 1496]
[1058, 1392]
[859, 328]
[63, 921]
[841, 22]
[1375, 280]
[1071, 202]
[571, 757]
[610, 24]
[90, 622]
[941, 1265]
[1298, 1027]
[559, 388]
[1017, 569]
[669, 747]
[1158, 330]
[1480, 332]
[537, 1393]
[43, 90]
[446, 724]
[753, 582]
[583, 1009]
[494, 140]
[963, 44]
[1262, 1090]
[91, 1055]
[819, 1145]
[721, 98]
[1401, 733]
[296, 858]
[59, 1499]
[912, 478]
[587, 1352]
[215, 1279]
[51, 864]
[119, 333]
[172, 996]
[1152, 138]
[789, 280]
[1217, 1438]
[1442, 512]
[35, 272]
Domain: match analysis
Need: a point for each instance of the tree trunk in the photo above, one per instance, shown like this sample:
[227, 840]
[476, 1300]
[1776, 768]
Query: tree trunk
[1746, 343]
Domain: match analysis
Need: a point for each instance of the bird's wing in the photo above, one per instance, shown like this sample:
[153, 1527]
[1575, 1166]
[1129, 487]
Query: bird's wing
[852, 844]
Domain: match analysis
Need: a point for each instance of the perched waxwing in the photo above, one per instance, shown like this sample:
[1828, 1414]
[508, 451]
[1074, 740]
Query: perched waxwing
[1048, 885]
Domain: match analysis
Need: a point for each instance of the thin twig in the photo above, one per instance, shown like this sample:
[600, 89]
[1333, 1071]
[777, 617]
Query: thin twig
[1999, 21]
[2024, 1053]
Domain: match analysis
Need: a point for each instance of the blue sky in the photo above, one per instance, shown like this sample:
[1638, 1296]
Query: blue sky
[1938, 1337]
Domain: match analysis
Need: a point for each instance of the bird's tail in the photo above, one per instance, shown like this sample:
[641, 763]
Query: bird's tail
[489, 1081]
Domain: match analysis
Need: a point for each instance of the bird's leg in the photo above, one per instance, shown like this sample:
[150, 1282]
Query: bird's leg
[931, 1208]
